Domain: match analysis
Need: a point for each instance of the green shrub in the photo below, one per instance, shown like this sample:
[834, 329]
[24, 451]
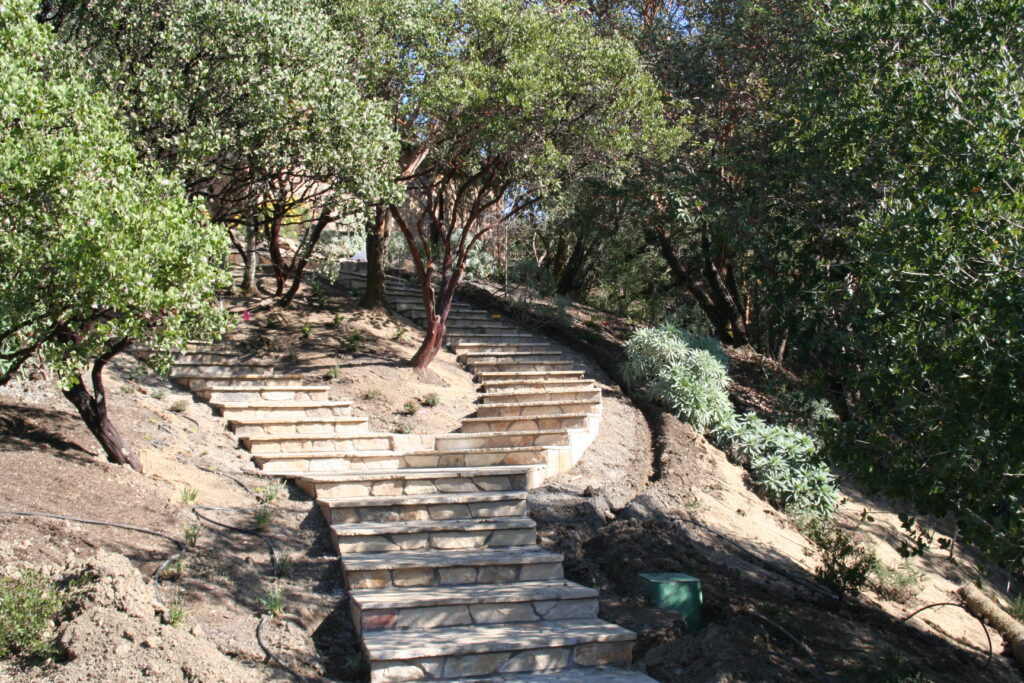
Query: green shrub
[410, 408]
[431, 400]
[29, 605]
[844, 562]
[404, 427]
[688, 374]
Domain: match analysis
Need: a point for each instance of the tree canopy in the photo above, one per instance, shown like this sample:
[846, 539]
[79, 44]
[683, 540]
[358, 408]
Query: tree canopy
[98, 249]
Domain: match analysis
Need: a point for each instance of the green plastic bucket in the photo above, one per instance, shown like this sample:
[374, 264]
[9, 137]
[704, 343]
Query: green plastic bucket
[677, 592]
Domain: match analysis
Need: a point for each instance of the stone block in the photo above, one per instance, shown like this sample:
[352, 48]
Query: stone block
[548, 659]
[460, 540]
[433, 617]
[457, 575]
[498, 574]
[502, 612]
[600, 654]
[541, 571]
[418, 576]
[474, 665]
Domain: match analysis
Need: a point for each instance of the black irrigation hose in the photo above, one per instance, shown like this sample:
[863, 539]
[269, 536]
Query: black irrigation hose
[250, 532]
[957, 604]
[270, 655]
[151, 532]
[817, 665]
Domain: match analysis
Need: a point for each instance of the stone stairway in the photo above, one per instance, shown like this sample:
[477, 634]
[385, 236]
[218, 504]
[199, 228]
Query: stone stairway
[445, 575]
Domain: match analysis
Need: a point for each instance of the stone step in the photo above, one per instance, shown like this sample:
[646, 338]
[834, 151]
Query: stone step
[589, 674]
[526, 375]
[445, 567]
[539, 437]
[299, 463]
[458, 338]
[523, 423]
[221, 369]
[537, 384]
[275, 425]
[483, 348]
[479, 327]
[437, 606]
[421, 481]
[476, 505]
[446, 534]
[474, 357]
[539, 408]
[463, 651]
[211, 357]
[295, 392]
[476, 457]
[205, 347]
[503, 395]
[284, 409]
[511, 369]
[203, 382]
[318, 443]
[403, 303]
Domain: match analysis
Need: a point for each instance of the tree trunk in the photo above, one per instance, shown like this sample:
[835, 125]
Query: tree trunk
[93, 410]
[249, 273]
[432, 343]
[571, 281]
[376, 253]
[302, 259]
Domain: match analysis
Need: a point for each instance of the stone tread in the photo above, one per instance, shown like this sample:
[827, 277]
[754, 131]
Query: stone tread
[284, 387]
[532, 373]
[270, 420]
[513, 418]
[315, 436]
[541, 404]
[227, 378]
[425, 499]
[525, 432]
[486, 593]
[430, 526]
[385, 646]
[284, 404]
[479, 557]
[423, 473]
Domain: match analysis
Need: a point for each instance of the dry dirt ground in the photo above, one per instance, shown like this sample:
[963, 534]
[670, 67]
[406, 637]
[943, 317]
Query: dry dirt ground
[649, 495]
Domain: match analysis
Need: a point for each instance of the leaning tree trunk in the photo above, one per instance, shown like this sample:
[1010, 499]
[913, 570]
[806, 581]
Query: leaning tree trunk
[93, 410]
[301, 259]
[376, 253]
[433, 340]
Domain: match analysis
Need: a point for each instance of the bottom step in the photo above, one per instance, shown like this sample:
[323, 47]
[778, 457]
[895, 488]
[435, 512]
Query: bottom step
[464, 651]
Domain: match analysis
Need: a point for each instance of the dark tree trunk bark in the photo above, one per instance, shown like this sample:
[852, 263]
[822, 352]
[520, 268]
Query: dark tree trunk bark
[93, 410]
[301, 260]
[570, 283]
[276, 257]
[376, 253]
[433, 340]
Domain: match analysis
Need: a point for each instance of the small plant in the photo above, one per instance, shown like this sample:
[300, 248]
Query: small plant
[291, 357]
[269, 493]
[192, 532]
[410, 408]
[174, 570]
[337, 320]
[844, 562]
[333, 373]
[898, 583]
[29, 605]
[399, 333]
[285, 565]
[176, 612]
[179, 406]
[138, 373]
[263, 516]
[306, 330]
[128, 388]
[159, 394]
[354, 340]
[431, 400]
[272, 601]
[372, 395]
[404, 427]
[189, 495]
[1016, 608]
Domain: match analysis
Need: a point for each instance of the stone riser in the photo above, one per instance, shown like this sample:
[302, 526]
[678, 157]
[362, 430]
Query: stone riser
[527, 410]
[327, 462]
[445, 576]
[463, 349]
[536, 386]
[510, 439]
[474, 459]
[198, 383]
[390, 486]
[376, 619]
[534, 660]
[525, 423]
[454, 338]
[230, 412]
[318, 444]
[337, 513]
[261, 394]
[473, 359]
[299, 428]
[220, 370]
[511, 369]
[436, 540]
[211, 357]
[510, 396]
